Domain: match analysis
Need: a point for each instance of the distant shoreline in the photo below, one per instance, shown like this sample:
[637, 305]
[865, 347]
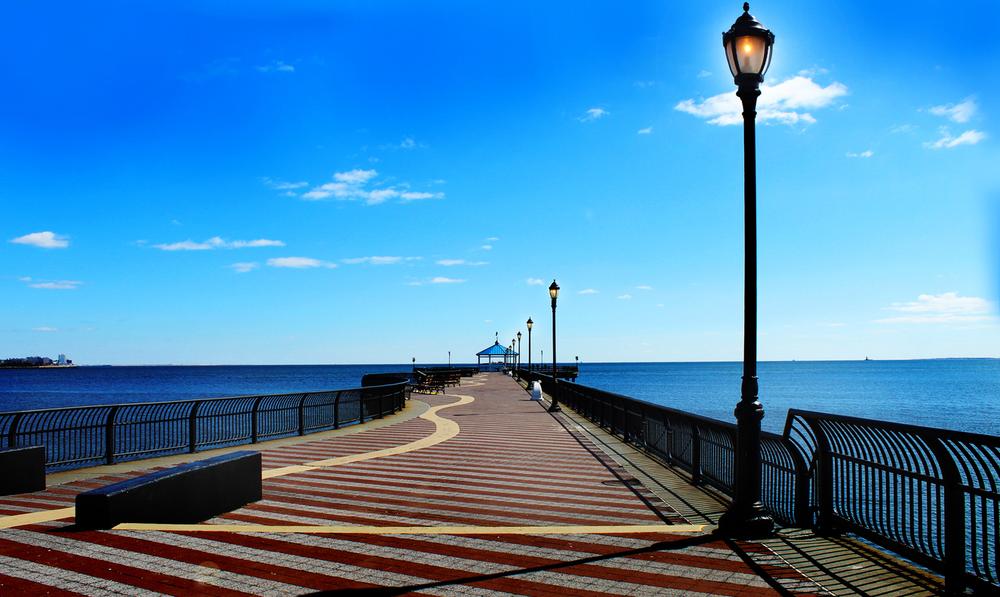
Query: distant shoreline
[54, 366]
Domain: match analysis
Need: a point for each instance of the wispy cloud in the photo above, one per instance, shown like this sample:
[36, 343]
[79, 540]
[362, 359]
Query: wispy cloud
[625, 297]
[588, 291]
[276, 66]
[644, 84]
[217, 242]
[863, 154]
[43, 240]
[454, 262]
[445, 280]
[646, 131]
[644, 287]
[380, 260]
[51, 284]
[961, 112]
[492, 239]
[299, 263]
[786, 102]
[903, 128]
[283, 185]
[535, 282]
[949, 307]
[486, 247]
[353, 185]
[593, 114]
[704, 74]
[45, 329]
[243, 267]
[970, 137]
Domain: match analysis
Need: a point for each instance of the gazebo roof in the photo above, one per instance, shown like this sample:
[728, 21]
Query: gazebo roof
[495, 350]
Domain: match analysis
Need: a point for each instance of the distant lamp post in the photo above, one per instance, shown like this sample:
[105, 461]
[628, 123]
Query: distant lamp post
[518, 349]
[554, 294]
[449, 359]
[414, 360]
[529, 324]
[748, 51]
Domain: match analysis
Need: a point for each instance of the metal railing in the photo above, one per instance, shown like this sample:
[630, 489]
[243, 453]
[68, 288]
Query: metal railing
[105, 434]
[931, 495]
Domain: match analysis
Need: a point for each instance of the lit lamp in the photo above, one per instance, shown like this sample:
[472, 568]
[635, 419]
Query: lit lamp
[554, 294]
[529, 324]
[748, 51]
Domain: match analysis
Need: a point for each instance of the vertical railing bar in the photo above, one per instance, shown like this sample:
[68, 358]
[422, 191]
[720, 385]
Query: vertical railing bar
[254, 420]
[193, 428]
[109, 436]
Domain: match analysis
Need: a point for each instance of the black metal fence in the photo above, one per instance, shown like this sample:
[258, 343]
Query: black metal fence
[931, 495]
[92, 435]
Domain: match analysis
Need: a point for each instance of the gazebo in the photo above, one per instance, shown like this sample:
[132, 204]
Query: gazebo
[501, 354]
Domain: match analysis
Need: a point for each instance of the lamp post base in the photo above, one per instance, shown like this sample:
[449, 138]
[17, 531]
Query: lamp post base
[554, 408]
[749, 521]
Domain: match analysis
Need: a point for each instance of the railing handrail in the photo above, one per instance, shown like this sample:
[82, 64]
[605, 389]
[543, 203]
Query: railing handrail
[893, 425]
[191, 400]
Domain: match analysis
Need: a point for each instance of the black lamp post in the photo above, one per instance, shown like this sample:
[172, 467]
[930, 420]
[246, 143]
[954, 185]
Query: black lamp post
[449, 359]
[529, 324]
[554, 293]
[414, 360]
[748, 51]
[518, 350]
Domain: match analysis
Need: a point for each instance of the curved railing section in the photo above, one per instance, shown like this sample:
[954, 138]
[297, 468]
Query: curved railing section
[93, 435]
[932, 495]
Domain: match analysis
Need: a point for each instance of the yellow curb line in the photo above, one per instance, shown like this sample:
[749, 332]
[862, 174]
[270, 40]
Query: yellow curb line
[433, 530]
[445, 429]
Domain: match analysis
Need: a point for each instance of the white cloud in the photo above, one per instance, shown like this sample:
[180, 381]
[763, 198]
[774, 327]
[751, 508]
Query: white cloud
[282, 185]
[942, 308]
[444, 280]
[786, 102]
[352, 185]
[43, 240]
[243, 267]
[970, 137]
[643, 287]
[487, 247]
[588, 291]
[593, 114]
[379, 260]
[864, 154]
[492, 239]
[45, 329]
[276, 66]
[51, 284]
[704, 74]
[625, 297]
[960, 112]
[646, 131]
[217, 242]
[903, 128]
[535, 282]
[299, 262]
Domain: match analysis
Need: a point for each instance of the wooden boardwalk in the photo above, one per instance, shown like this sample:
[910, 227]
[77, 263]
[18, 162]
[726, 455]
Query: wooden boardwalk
[479, 491]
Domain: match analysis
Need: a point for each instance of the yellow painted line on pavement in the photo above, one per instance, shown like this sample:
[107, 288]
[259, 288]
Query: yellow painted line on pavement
[445, 429]
[412, 530]
[20, 520]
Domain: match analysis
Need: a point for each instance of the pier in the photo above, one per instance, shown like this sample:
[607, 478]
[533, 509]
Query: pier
[475, 490]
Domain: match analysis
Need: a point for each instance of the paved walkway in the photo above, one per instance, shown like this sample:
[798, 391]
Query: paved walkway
[483, 493]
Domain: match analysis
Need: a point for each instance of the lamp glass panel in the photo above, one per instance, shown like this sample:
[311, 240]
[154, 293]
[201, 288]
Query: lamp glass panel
[729, 58]
[750, 53]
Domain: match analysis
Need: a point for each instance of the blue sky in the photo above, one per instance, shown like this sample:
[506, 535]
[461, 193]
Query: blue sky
[354, 182]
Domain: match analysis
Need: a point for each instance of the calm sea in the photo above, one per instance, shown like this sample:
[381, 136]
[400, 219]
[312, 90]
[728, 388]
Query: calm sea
[959, 394]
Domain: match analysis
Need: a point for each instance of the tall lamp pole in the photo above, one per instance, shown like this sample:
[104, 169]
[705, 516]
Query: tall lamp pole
[449, 359]
[414, 361]
[748, 51]
[529, 324]
[554, 294]
[518, 349]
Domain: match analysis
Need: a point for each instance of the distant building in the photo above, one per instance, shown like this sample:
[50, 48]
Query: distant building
[61, 360]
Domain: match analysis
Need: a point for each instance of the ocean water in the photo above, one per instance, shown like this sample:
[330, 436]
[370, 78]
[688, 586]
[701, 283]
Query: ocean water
[962, 394]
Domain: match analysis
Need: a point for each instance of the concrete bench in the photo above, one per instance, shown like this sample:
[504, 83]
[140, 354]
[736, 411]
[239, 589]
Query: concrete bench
[188, 493]
[22, 470]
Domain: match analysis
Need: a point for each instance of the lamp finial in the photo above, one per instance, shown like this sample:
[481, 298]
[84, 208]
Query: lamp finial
[746, 7]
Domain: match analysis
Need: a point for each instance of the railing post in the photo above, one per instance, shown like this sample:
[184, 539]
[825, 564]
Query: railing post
[193, 427]
[695, 454]
[954, 517]
[336, 411]
[12, 432]
[109, 436]
[302, 415]
[824, 480]
[254, 418]
[801, 513]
